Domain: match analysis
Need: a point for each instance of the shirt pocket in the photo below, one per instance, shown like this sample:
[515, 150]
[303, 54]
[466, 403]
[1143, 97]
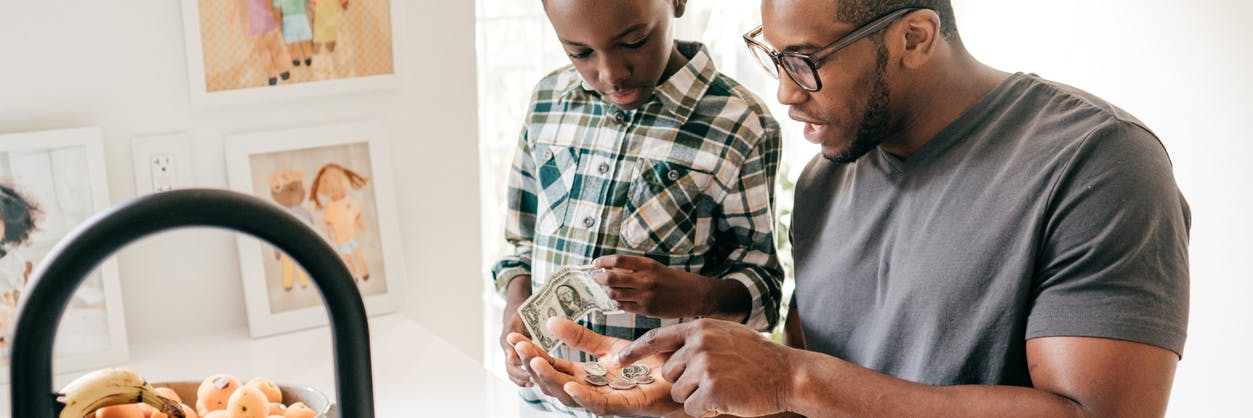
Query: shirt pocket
[556, 167]
[666, 208]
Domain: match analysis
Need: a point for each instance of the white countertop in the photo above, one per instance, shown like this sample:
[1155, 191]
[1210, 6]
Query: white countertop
[416, 374]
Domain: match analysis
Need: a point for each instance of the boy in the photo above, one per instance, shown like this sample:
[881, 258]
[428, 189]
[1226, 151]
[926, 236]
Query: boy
[642, 159]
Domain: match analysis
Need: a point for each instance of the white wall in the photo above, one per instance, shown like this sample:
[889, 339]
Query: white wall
[1186, 70]
[121, 65]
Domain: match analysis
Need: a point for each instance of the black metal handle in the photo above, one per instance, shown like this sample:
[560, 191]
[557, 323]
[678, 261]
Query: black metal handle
[79, 253]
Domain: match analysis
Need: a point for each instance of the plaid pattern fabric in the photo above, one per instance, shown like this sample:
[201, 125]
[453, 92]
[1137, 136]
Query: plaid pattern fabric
[687, 179]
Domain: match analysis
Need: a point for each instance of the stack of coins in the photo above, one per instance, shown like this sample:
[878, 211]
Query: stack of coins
[631, 376]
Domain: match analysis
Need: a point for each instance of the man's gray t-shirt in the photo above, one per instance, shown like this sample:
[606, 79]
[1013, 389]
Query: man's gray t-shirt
[1042, 211]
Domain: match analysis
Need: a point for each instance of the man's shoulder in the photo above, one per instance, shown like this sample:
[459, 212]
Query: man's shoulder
[1062, 108]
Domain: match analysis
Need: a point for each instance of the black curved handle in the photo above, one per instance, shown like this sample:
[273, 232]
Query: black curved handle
[82, 250]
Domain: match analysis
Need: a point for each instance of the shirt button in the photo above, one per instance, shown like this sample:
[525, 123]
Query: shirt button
[548, 155]
[604, 168]
[620, 117]
[673, 175]
[589, 221]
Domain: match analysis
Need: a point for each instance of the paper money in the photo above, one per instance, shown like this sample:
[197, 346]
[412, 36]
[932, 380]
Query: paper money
[571, 293]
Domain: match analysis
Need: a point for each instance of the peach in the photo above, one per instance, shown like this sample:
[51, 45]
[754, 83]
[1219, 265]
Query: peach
[221, 413]
[277, 408]
[120, 411]
[188, 411]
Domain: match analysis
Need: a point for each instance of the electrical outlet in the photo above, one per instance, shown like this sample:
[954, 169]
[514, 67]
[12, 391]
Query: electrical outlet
[164, 175]
[162, 163]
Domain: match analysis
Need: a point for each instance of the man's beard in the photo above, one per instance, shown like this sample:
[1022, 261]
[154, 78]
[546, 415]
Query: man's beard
[874, 121]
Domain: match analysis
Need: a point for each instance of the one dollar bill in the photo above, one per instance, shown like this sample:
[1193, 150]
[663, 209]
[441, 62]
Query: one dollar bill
[571, 293]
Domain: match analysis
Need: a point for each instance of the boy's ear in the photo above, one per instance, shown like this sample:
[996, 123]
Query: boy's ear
[680, 6]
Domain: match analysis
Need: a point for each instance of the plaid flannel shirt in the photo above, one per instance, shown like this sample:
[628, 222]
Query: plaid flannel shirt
[687, 179]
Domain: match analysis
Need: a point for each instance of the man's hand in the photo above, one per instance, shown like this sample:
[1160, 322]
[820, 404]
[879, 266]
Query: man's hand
[644, 286]
[519, 289]
[719, 367]
[564, 380]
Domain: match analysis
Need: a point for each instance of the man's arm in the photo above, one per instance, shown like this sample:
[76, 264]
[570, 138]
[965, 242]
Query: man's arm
[1073, 377]
[722, 367]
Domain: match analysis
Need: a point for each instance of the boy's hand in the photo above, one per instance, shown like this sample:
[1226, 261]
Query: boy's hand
[644, 286]
[519, 289]
[564, 380]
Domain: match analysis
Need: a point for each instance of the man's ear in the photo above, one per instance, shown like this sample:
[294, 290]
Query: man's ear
[680, 6]
[922, 33]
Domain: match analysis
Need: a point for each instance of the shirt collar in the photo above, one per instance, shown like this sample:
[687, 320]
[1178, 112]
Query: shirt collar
[680, 93]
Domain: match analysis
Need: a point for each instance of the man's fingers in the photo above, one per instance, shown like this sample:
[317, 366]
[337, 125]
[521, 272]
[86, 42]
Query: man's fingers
[683, 388]
[667, 339]
[698, 405]
[675, 366]
[580, 338]
[594, 401]
[620, 261]
[552, 380]
[618, 279]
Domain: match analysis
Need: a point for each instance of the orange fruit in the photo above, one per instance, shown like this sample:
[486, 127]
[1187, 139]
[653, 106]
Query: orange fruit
[215, 391]
[120, 411]
[248, 402]
[299, 410]
[268, 388]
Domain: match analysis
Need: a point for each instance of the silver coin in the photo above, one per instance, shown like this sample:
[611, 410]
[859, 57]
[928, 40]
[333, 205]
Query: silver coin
[634, 370]
[595, 369]
[643, 380]
[596, 380]
[621, 384]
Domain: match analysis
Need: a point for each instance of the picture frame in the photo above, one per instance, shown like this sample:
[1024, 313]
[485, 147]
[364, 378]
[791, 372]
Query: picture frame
[234, 50]
[347, 168]
[53, 182]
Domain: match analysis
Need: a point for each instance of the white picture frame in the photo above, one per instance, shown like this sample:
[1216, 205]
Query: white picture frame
[222, 66]
[63, 173]
[276, 300]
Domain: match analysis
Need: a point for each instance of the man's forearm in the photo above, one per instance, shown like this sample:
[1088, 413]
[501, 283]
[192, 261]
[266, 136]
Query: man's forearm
[825, 386]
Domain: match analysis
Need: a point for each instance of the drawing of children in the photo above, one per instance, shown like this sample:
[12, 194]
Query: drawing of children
[326, 18]
[287, 188]
[261, 25]
[296, 30]
[20, 216]
[342, 214]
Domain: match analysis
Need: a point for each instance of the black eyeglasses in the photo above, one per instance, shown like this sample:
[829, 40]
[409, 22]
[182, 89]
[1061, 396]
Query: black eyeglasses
[803, 68]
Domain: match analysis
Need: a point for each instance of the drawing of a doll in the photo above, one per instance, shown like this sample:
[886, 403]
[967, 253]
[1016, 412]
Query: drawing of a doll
[20, 217]
[341, 213]
[287, 188]
[296, 30]
[261, 25]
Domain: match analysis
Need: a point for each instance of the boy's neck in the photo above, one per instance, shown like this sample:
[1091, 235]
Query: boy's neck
[676, 62]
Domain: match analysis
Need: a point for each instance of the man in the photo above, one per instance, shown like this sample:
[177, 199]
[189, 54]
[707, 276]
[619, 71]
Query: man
[644, 160]
[970, 243]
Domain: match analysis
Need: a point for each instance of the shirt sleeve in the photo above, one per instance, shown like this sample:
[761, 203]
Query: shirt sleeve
[520, 217]
[1114, 260]
[746, 230]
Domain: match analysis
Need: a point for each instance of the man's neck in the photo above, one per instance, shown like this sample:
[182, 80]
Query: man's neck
[939, 101]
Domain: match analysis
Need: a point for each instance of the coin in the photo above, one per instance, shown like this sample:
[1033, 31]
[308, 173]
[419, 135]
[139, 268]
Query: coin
[621, 384]
[643, 380]
[634, 370]
[595, 369]
[596, 380]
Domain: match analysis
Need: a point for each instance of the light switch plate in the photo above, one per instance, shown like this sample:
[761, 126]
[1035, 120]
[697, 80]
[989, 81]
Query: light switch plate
[162, 163]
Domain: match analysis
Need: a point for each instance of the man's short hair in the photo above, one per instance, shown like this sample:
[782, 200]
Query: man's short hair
[860, 12]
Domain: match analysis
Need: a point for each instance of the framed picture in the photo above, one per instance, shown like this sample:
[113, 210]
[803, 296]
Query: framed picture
[50, 183]
[337, 179]
[241, 51]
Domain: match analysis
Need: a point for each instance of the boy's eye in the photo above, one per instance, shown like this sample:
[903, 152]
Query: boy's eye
[636, 45]
[579, 55]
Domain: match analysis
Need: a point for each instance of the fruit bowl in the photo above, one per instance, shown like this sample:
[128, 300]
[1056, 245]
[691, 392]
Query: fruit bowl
[312, 398]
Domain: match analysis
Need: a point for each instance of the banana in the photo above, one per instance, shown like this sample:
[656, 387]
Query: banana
[110, 387]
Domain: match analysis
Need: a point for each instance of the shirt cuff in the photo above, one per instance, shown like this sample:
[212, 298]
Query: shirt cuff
[503, 277]
[759, 315]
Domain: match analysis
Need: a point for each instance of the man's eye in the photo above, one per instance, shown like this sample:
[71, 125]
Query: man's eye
[579, 55]
[636, 45]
